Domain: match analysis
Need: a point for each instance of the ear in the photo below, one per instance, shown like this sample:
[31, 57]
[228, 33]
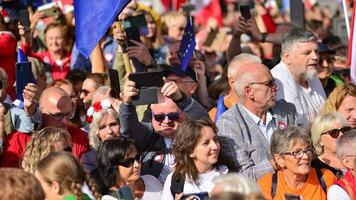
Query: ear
[193, 88]
[347, 162]
[56, 188]
[279, 160]
[287, 58]
[248, 92]
[231, 82]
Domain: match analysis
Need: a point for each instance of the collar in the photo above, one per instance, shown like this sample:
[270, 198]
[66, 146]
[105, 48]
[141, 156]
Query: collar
[257, 120]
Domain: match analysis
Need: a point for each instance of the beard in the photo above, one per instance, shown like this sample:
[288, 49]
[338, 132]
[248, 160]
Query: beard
[309, 74]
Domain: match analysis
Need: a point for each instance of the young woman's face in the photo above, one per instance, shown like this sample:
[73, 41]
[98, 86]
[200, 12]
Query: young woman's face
[151, 25]
[206, 152]
[131, 168]
[49, 189]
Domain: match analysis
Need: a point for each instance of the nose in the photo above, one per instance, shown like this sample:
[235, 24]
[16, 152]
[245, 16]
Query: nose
[166, 120]
[82, 95]
[215, 145]
[136, 163]
[314, 55]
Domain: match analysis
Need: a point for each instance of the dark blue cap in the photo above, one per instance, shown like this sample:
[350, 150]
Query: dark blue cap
[323, 48]
[176, 69]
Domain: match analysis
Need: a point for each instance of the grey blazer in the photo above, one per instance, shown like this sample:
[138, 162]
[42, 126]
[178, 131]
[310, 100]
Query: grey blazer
[244, 146]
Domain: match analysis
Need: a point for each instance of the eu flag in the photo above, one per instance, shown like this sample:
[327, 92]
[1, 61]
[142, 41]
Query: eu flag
[187, 45]
[220, 108]
[92, 20]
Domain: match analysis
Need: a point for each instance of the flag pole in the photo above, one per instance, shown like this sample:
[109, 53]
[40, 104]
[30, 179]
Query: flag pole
[346, 18]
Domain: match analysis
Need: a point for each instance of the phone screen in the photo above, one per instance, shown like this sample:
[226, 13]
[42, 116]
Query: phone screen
[245, 11]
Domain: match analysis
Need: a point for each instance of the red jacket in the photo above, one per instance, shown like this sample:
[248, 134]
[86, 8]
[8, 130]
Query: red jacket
[58, 72]
[8, 58]
[15, 146]
[350, 180]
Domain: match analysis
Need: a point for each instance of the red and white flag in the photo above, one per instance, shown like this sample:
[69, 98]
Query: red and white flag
[352, 48]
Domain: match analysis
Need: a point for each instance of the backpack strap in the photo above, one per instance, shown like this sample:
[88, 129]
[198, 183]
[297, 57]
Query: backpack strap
[177, 185]
[274, 184]
[321, 179]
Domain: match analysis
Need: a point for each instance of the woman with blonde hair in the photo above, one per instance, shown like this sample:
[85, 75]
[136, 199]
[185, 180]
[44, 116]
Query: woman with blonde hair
[343, 100]
[42, 143]
[325, 131]
[62, 177]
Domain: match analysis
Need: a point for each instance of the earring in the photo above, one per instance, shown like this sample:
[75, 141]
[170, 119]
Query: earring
[192, 155]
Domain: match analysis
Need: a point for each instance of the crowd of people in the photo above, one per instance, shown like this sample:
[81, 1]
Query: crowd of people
[265, 109]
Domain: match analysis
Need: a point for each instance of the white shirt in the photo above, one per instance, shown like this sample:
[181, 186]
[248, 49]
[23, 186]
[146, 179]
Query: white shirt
[153, 189]
[307, 101]
[335, 192]
[266, 128]
[203, 184]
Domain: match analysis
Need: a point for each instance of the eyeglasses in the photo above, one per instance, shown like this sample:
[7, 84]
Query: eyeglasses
[173, 116]
[269, 83]
[59, 116]
[328, 59]
[181, 81]
[334, 133]
[131, 161]
[300, 154]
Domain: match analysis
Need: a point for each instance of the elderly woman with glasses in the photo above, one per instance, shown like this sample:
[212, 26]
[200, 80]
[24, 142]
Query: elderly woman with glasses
[292, 151]
[120, 167]
[345, 188]
[325, 131]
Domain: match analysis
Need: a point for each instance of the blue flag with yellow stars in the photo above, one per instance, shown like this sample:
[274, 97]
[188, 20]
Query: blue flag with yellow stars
[187, 45]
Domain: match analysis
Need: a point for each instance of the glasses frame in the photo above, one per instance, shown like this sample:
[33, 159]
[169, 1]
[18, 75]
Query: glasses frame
[299, 154]
[172, 116]
[59, 116]
[131, 161]
[336, 131]
[270, 83]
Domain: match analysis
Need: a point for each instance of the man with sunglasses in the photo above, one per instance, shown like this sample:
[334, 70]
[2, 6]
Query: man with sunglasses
[245, 129]
[325, 69]
[296, 74]
[155, 139]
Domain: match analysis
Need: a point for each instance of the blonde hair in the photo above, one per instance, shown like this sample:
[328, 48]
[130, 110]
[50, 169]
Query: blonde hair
[336, 97]
[322, 123]
[94, 139]
[63, 168]
[41, 144]
[171, 18]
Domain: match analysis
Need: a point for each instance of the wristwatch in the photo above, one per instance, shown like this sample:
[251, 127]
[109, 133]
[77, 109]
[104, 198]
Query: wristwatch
[263, 37]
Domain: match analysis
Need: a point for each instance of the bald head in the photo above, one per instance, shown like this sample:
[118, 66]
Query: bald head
[56, 107]
[249, 73]
[239, 61]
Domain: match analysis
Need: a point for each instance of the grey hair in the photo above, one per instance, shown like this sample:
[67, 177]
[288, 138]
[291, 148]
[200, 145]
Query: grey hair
[283, 139]
[102, 90]
[296, 35]
[237, 183]
[94, 139]
[239, 86]
[322, 123]
[346, 143]
[234, 63]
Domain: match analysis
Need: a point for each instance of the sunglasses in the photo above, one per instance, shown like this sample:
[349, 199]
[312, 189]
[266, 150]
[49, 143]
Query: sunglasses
[84, 91]
[334, 133]
[173, 116]
[130, 162]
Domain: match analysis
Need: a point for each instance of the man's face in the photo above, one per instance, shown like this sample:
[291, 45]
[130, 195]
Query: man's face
[185, 84]
[57, 113]
[264, 90]
[172, 56]
[325, 65]
[303, 59]
[166, 117]
[88, 89]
